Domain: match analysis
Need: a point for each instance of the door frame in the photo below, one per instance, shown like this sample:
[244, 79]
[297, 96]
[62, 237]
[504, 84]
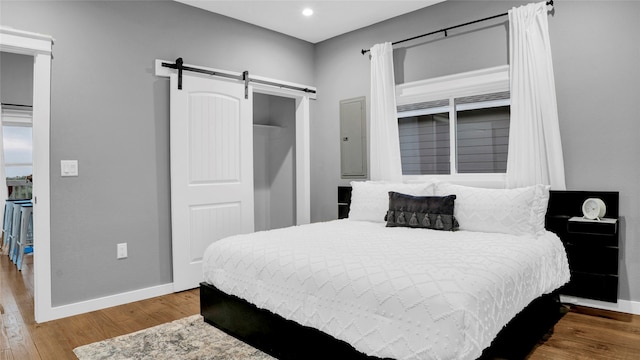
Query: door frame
[302, 150]
[38, 46]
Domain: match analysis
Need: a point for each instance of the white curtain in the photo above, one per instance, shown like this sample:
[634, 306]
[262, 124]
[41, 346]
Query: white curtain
[535, 149]
[384, 145]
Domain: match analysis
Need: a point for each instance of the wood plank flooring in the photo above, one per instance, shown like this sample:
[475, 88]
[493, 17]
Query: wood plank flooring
[582, 333]
[21, 338]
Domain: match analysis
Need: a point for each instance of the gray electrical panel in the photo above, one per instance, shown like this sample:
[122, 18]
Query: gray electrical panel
[353, 138]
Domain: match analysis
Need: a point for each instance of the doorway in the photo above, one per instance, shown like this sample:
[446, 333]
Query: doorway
[221, 102]
[16, 72]
[274, 175]
[38, 48]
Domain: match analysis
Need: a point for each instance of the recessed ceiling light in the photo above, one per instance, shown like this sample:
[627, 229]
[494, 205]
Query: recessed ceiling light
[307, 12]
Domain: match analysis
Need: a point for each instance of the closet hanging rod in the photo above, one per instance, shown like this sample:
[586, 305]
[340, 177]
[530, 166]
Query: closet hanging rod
[364, 51]
[178, 65]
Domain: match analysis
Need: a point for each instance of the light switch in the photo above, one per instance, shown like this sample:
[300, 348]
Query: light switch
[69, 167]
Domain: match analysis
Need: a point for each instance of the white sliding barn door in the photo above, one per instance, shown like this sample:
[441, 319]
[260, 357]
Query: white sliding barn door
[211, 169]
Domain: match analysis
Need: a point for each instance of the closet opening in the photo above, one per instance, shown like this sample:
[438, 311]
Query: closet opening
[274, 161]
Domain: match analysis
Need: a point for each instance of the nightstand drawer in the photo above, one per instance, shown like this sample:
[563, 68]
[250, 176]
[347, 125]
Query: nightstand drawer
[593, 259]
[590, 286]
[589, 239]
[604, 227]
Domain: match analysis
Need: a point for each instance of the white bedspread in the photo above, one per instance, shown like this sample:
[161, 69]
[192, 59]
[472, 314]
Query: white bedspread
[391, 292]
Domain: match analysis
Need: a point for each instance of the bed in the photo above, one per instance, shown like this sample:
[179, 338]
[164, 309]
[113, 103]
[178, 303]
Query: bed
[379, 286]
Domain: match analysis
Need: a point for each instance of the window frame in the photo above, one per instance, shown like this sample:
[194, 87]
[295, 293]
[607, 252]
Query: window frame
[485, 81]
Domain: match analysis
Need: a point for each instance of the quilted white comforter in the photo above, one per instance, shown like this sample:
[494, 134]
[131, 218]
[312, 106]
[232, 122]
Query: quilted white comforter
[391, 292]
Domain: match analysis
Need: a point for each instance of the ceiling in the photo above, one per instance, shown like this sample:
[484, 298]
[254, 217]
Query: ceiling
[331, 17]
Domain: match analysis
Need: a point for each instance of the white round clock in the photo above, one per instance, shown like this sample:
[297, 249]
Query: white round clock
[593, 208]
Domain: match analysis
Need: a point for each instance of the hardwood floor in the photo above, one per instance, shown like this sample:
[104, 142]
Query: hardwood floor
[587, 333]
[23, 339]
[582, 333]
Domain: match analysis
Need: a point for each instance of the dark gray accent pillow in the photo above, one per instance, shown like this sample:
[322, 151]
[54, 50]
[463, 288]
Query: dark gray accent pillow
[430, 212]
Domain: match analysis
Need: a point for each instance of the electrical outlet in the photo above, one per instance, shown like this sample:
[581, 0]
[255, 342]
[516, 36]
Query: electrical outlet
[122, 251]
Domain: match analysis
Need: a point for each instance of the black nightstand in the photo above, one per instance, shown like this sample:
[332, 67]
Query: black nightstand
[591, 245]
[344, 201]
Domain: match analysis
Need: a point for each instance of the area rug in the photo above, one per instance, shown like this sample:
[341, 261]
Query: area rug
[188, 338]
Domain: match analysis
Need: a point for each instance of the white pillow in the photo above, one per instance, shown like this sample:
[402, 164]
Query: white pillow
[519, 211]
[370, 199]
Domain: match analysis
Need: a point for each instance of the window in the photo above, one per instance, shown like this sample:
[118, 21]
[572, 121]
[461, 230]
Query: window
[425, 140]
[483, 140]
[455, 125]
[18, 151]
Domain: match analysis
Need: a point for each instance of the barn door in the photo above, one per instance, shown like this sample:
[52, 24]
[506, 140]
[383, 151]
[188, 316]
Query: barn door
[211, 169]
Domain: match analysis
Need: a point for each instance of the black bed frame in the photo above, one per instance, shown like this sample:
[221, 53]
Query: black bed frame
[285, 339]
[269, 332]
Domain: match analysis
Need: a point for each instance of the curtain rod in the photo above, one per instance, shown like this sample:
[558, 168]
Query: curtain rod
[364, 51]
[178, 65]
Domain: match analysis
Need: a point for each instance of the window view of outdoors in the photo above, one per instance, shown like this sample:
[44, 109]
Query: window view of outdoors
[483, 140]
[424, 144]
[18, 157]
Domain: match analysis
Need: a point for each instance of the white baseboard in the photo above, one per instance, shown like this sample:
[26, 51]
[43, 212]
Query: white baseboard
[625, 306]
[82, 307]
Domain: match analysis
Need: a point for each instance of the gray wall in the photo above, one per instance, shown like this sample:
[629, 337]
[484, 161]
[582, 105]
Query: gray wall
[596, 52]
[16, 79]
[111, 113]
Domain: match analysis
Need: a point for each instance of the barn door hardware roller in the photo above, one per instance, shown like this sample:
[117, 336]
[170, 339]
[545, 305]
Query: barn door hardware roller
[179, 65]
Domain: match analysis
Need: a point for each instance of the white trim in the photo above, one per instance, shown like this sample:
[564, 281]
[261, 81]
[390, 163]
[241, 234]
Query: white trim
[421, 112]
[24, 42]
[453, 137]
[107, 301]
[489, 80]
[38, 46]
[303, 162]
[302, 148]
[624, 306]
[483, 105]
[483, 180]
[41, 185]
